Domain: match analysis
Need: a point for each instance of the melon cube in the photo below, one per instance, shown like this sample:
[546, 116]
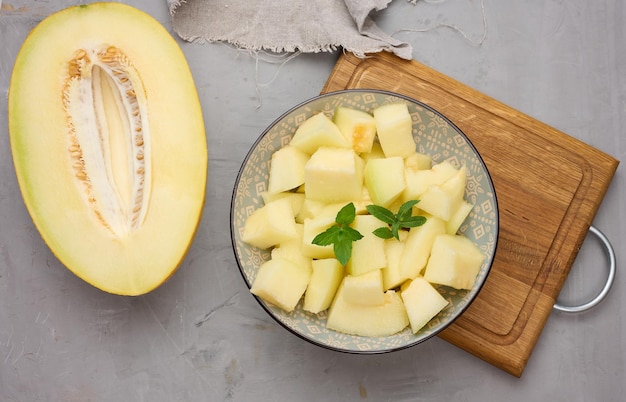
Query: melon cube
[458, 217]
[325, 279]
[392, 275]
[395, 129]
[312, 227]
[372, 321]
[365, 289]
[384, 179]
[281, 282]
[318, 131]
[292, 249]
[455, 261]
[418, 161]
[286, 169]
[368, 254]
[422, 302]
[297, 199]
[357, 126]
[360, 205]
[331, 209]
[270, 225]
[418, 246]
[334, 175]
[444, 199]
[418, 181]
[375, 153]
[310, 209]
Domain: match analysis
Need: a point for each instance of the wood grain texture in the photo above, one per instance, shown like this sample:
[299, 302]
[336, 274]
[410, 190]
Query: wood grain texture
[548, 185]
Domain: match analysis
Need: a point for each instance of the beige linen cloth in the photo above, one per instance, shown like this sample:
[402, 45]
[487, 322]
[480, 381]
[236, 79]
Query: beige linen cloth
[277, 26]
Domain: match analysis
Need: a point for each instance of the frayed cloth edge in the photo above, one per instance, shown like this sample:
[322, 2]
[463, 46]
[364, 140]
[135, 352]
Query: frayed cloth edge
[404, 52]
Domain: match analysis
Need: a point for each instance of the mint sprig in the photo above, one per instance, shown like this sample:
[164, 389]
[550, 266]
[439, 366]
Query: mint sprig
[404, 219]
[340, 235]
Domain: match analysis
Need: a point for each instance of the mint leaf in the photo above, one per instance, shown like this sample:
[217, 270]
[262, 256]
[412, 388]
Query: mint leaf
[346, 215]
[352, 234]
[383, 233]
[340, 235]
[395, 230]
[413, 221]
[406, 209]
[327, 237]
[402, 220]
[381, 213]
[343, 250]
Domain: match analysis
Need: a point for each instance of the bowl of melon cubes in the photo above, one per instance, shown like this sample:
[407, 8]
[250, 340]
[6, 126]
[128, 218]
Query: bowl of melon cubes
[364, 221]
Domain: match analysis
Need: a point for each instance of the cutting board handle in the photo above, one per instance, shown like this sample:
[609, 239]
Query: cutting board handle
[609, 282]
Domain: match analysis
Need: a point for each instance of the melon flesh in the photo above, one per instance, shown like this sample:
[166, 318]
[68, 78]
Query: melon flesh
[395, 129]
[373, 321]
[108, 143]
[326, 276]
[422, 302]
[281, 282]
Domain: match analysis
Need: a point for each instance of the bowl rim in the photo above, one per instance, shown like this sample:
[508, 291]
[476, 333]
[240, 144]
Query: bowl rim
[475, 291]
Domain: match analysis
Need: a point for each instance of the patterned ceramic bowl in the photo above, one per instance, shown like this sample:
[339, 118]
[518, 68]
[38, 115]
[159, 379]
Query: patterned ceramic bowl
[435, 135]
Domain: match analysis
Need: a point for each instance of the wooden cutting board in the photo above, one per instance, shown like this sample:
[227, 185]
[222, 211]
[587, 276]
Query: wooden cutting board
[548, 186]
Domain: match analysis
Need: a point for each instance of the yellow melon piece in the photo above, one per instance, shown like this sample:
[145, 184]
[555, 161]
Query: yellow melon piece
[422, 302]
[418, 246]
[384, 179]
[394, 126]
[455, 261]
[281, 282]
[418, 181]
[373, 321]
[418, 161]
[325, 279]
[309, 209]
[365, 289]
[333, 175]
[318, 131]
[109, 145]
[458, 217]
[357, 126]
[375, 153]
[443, 200]
[272, 224]
[392, 275]
[313, 227]
[368, 254]
[291, 249]
[296, 199]
[286, 169]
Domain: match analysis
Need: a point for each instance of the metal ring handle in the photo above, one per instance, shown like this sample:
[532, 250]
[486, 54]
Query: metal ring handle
[609, 282]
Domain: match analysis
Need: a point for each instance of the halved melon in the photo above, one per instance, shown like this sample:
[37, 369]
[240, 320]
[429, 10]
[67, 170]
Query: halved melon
[108, 143]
